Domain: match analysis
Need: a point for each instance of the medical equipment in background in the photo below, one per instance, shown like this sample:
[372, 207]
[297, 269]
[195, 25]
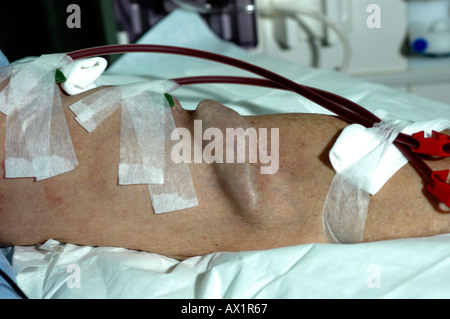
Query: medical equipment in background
[336, 33]
[231, 20]
[429, 27]
[319, 33]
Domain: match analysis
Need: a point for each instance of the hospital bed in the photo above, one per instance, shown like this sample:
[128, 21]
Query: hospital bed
[406, 268]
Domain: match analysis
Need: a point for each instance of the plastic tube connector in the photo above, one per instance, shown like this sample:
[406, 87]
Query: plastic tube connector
[436, 145]
[440, 188]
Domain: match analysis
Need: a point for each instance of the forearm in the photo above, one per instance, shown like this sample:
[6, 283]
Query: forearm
[87, 206]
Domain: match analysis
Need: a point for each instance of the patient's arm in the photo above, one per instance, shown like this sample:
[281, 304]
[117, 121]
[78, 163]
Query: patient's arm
[239, 208]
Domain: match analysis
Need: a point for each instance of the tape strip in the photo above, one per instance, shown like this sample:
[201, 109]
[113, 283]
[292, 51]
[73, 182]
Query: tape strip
[178, 190]
[142, 139]
[356, 141]
[62, 153]
[92, 110]
[147, 125]
[38, 142]
[145, 144]
[346, 206]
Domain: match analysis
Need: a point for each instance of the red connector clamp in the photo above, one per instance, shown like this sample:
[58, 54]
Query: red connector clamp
[437, 145]
[440, 188]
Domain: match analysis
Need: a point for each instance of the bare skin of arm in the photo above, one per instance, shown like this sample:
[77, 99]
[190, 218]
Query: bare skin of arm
[87, 206]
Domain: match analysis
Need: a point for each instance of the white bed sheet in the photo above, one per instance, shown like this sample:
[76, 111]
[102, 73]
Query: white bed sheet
[409, 268]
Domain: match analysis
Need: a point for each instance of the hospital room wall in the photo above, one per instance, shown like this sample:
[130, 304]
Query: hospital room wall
[379, 48]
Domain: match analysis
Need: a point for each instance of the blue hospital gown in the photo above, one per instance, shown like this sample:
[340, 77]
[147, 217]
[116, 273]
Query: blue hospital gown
[3, 60]
[6, 291]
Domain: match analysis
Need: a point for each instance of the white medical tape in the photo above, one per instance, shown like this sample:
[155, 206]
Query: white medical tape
[142, 139]
[178, 190]
[356, 141]
[93, 109]
[62, 153]
[145, 145]
[364, 159]
[27, 77]
[156, 86]
[81, 75]
[38, 142]
[345, 212]
[346, 206]
[142, 126]
[147, 126]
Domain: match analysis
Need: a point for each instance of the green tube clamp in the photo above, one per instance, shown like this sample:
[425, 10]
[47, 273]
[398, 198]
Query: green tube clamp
[59, 77]
[169, 99]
